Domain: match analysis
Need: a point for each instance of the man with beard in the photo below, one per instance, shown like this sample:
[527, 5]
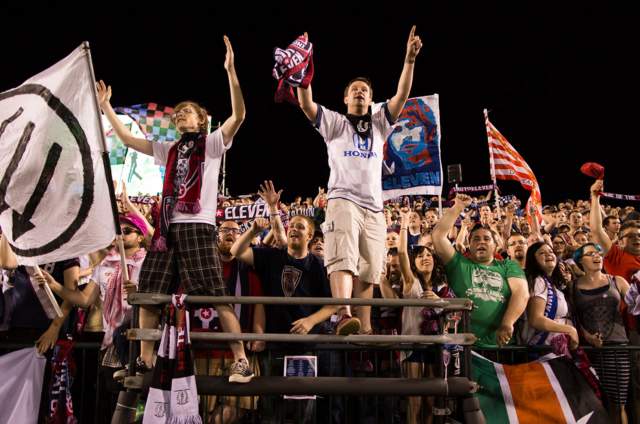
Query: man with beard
[517, 248]
[240, 280]
[293, 272]
[497, 288]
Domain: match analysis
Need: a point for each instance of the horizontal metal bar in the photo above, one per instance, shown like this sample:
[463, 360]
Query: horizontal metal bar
[453, 386]
[460, 338]
[283, 350]
[547, 348]
[158, 299]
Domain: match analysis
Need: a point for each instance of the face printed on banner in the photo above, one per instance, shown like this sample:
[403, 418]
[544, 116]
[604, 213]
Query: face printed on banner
[415, 140]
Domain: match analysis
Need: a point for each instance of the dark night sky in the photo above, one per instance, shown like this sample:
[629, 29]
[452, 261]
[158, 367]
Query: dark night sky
[560, 81]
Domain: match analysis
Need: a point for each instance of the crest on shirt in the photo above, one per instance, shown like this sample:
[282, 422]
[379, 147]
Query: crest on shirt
[362, 126]
[291, 277]
[361, 143]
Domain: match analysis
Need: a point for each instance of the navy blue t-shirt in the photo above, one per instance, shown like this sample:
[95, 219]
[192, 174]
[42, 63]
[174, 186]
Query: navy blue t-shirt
[285, 276]
[27, 311]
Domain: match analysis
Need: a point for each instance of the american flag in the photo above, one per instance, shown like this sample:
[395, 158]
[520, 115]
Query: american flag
[507, 164]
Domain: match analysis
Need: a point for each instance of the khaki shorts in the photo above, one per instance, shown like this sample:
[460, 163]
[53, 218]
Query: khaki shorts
[354, 240]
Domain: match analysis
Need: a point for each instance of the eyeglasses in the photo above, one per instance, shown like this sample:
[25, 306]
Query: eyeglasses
[594, 253]
[128, 230]
[230, 230]
[631, 235]
[185, 110]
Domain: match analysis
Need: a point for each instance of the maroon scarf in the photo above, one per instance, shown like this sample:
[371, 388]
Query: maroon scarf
[182, 184]
[63, 370]
[293, 68]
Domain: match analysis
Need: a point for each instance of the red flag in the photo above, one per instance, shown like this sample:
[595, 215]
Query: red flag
[507, 164]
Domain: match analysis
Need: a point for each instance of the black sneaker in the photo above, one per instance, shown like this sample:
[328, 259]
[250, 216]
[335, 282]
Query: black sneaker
[240, 372]
[141, 369]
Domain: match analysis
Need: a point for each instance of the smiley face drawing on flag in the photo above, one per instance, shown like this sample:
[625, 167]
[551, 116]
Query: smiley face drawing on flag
[54, 203]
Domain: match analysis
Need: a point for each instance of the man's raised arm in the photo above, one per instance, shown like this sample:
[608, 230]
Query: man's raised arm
[238, 111]
[305, 98]
[395, 105]
[441, 243]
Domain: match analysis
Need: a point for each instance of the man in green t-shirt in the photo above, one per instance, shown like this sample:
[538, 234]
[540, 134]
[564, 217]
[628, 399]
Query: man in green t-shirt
[497, 288]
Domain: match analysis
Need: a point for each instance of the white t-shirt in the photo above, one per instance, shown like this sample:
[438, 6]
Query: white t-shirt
[355, 163]
[214, 149]
[562, 311]
[412, 316]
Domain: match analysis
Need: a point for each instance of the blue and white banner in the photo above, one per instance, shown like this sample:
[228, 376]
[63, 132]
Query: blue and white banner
[412, 162]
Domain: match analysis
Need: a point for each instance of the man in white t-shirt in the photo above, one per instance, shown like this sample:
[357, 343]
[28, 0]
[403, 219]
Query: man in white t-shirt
[184, 249]
[354, 226]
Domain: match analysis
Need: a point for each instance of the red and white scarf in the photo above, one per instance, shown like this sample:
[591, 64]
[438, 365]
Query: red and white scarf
[182, 184]
[179, 405]
[293, 68]
[116, 308]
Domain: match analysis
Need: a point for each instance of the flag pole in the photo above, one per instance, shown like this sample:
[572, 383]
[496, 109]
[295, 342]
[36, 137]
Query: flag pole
[224, 171]
[492, 163]
[126, 152]
[107, 164]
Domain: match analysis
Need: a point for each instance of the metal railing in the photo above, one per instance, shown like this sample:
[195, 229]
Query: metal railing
[353, 393]
[457, 386]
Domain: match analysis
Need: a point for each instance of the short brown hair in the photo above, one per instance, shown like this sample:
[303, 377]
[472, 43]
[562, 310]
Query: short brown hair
[309, 221]
[364, 80]
[202, 114]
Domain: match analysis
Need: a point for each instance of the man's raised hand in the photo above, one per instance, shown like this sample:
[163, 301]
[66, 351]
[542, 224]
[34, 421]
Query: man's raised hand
[463, 200]
[259, 225]
[268, 193]
[414, 44]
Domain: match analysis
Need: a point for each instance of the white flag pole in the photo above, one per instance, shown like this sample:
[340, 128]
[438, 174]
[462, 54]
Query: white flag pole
[492, 163]
[107, 165]
[36, 270]
[224, 171]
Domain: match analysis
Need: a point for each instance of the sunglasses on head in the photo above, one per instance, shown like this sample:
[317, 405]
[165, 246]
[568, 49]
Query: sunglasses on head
[128, 230]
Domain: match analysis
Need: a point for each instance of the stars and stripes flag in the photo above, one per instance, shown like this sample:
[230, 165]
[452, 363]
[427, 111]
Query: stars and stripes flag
[507, 164]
